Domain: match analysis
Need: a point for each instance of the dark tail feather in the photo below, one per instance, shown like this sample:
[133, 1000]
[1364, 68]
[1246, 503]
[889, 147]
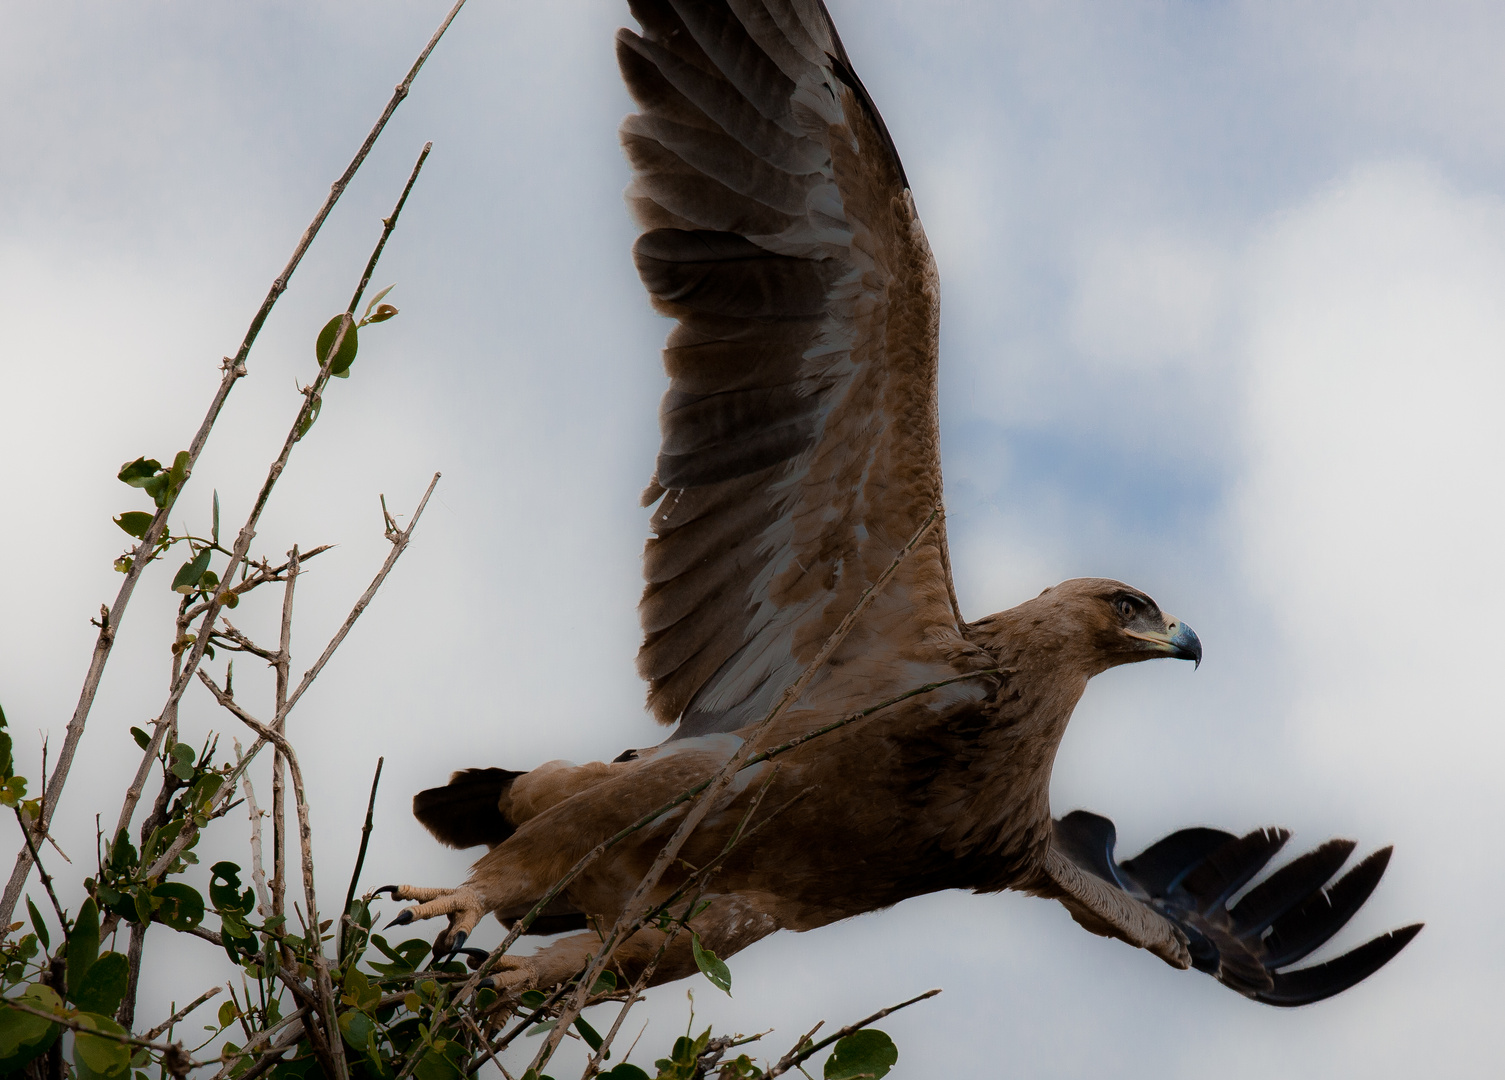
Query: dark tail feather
[464, 812]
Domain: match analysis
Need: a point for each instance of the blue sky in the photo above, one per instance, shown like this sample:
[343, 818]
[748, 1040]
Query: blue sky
[1222, 317]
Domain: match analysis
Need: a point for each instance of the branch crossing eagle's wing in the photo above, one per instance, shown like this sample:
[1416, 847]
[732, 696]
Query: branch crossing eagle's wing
[1173, 899]
[800, 443]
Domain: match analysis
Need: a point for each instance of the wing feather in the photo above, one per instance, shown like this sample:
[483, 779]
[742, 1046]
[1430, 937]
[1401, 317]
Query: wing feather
[1182, 884]
[800, 442]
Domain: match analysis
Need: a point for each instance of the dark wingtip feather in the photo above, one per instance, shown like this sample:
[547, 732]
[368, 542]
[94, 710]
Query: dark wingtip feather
[1161, 866]
[1289, 886]
[1299, 932]
[1232, 866]
[1308, 985]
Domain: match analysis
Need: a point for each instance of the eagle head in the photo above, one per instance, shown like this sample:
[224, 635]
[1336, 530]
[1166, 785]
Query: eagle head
[1096, 624]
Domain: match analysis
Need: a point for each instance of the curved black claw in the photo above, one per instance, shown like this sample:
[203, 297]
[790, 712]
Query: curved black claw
[390, 890]
[474, 958]
[1190, 876]
[403, 918]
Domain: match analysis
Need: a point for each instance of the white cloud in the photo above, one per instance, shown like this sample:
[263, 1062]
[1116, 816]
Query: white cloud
[1148, 300]
[1375, 377]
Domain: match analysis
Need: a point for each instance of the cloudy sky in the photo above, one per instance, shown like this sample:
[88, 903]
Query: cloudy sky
[1224, 317]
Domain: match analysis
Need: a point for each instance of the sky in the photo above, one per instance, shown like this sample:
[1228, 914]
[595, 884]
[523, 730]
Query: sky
[1223, 317]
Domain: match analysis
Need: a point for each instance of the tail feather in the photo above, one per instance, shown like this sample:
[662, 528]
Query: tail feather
[466, 812]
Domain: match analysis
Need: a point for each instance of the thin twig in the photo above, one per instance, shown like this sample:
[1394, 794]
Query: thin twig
[796, 1056]
[233, 370]
[719, 783]
[62, 920]
[360, 859]
[184, 1011]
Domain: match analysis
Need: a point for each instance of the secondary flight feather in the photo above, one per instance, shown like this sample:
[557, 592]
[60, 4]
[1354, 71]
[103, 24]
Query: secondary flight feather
[800, 455]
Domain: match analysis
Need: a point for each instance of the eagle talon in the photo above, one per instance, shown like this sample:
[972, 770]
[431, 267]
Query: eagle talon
[403, 918]
[391, 890]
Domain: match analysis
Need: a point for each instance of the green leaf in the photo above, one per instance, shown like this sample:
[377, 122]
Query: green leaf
[135, 522]
[868, 1052]
[324, 347]
[711, 966]
[533, 998]
[100, 1056]
[83, 944]
[38, 924]
[103, 986]
[7, 759]
[13, 791]
[624, 1071]
[143, 740]
[435, 1066]
[187, 578]
[591, 1036]
[214, 521]
[225, 897]
[357, 1028]
[605, 983]
[178, 473]
[227, 1014]
[182, 907]
[138, 472]
[19, 1029]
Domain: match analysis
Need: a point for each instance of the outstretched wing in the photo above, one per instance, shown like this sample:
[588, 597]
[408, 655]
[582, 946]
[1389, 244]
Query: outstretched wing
[1173, 899]
[800, 443]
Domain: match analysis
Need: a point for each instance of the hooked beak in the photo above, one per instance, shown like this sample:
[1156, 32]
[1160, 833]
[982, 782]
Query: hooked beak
[1177, 640]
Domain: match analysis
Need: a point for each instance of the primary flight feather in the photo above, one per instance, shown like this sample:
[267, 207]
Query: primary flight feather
[800, 456]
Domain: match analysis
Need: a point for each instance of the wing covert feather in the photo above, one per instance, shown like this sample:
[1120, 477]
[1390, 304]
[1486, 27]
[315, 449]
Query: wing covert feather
[800, 442]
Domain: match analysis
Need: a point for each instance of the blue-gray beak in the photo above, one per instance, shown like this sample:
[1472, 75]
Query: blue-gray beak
[1184, 642]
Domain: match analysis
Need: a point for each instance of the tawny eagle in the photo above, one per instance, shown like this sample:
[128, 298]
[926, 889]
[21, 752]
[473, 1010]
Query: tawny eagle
[800, 455]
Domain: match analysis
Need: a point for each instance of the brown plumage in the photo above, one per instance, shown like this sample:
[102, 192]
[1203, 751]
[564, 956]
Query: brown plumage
[800, 453]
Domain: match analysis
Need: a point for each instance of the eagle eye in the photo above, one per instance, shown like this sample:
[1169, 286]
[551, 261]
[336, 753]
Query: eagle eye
[1125, 608]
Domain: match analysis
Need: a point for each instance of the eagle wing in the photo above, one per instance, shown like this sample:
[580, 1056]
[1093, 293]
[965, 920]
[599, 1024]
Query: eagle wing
[800, 445]
[1174, 900]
